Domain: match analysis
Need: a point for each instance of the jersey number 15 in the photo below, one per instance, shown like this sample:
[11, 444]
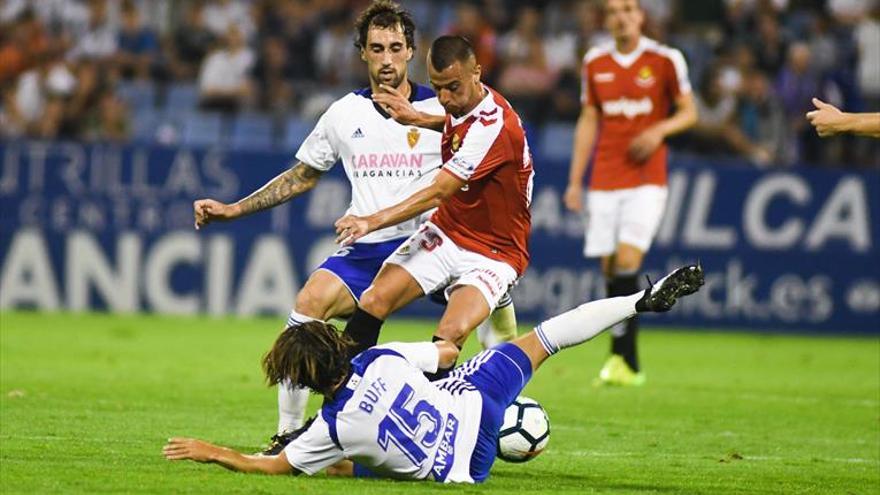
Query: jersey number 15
[405, 423]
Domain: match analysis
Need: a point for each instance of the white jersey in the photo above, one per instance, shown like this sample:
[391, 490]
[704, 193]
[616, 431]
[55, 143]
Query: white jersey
[385, 162]
[389, 418]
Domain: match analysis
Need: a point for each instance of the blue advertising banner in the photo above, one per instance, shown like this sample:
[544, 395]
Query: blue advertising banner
[108, 227]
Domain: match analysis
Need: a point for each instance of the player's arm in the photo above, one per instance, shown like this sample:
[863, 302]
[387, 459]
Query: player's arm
[829, 120]
[284, 187]
[178, 449]
[351, 228]
[684, 117]
[403, 111]
[584, 137]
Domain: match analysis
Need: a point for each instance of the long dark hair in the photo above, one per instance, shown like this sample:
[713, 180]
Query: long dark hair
[313, 354]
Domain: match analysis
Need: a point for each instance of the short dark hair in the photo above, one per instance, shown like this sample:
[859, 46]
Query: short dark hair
[447, 50]
[314, 355]
[384, 14]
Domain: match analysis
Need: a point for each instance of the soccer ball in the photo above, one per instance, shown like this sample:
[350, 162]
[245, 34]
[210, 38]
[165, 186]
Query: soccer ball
[525, 431]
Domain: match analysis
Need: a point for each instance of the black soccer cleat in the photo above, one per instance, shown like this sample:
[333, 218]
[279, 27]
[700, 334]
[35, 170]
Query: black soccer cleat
[661, 296]
[281, 440]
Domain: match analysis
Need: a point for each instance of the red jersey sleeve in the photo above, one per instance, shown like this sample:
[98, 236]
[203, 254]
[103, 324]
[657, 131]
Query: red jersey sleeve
[678, 82]
[477, 156]
[588, 89]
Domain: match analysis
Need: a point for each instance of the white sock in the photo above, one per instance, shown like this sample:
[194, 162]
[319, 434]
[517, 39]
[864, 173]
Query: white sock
[292, 401]
[585, 322]
[500, 326]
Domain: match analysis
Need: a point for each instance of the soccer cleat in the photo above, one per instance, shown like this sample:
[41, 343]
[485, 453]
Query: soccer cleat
[617, 372]
[662, 295]
[281, 440]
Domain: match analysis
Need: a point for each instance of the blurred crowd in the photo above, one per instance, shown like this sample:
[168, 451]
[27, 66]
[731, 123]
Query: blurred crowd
[93, 69]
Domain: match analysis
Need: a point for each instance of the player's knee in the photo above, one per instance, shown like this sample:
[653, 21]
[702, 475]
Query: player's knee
[374, 302]
[309, 304]
[454, 331]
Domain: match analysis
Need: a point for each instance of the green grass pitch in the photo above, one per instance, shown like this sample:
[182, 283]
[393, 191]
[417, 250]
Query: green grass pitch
[88, 400]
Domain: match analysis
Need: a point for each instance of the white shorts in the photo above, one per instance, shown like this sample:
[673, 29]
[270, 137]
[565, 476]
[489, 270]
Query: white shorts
[630, 216]
[436, 262]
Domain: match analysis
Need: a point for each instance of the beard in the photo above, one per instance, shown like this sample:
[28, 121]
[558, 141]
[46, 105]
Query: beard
[394, 80]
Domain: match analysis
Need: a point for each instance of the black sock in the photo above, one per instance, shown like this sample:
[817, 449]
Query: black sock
[441, 373]
[363, 328]
[625, 345]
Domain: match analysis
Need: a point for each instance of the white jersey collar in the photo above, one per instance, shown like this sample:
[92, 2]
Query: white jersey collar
[484, 104]
[627, 59]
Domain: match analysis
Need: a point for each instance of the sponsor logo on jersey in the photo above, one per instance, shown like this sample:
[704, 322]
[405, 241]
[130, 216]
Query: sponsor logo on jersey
[456, 142]
[627, 107]
[604, 77]
[358, 133]
[645, 77]
[462, 166]
[445, 456]
[387, 160]
[412, 137]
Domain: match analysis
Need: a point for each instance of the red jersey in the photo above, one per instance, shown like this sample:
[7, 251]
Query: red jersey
[490, 215]
[631, 92]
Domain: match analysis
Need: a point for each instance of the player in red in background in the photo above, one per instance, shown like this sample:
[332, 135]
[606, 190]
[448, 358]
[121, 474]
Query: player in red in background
[476, 243]
[628, 89]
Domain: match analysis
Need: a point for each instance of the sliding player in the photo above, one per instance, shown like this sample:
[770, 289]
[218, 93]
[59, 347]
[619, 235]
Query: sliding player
[382, 417]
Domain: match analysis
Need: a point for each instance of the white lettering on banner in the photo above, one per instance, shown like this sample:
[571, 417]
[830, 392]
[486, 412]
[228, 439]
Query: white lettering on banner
[184, 175]
[558, 289]
[226, 179]
[549, 214]
[87, 266]
[697, 232]
[171, 250]
[844, 216]
[73, 170]
[108, 169]
[27, 278]
[863, 296]
[792, 297]
[269, 282]
[755, 226]
[627, 107]
[545, 211]
[795, 299]
[730, 293]
[122, 280]
[218, 279]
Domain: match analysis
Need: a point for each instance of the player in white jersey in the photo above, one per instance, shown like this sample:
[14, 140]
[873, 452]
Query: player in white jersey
[384, 161]
[382, 417]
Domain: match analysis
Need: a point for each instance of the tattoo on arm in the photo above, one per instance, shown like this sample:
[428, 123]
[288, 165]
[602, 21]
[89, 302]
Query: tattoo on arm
[287, 185]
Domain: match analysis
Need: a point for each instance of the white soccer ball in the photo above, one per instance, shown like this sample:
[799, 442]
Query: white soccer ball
[525, 431]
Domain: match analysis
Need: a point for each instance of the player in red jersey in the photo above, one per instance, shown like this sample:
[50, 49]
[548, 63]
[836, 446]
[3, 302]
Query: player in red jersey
[476, 243]
[627, 93]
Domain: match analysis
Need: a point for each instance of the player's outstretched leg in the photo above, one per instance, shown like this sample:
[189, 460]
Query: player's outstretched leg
[588, 320]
